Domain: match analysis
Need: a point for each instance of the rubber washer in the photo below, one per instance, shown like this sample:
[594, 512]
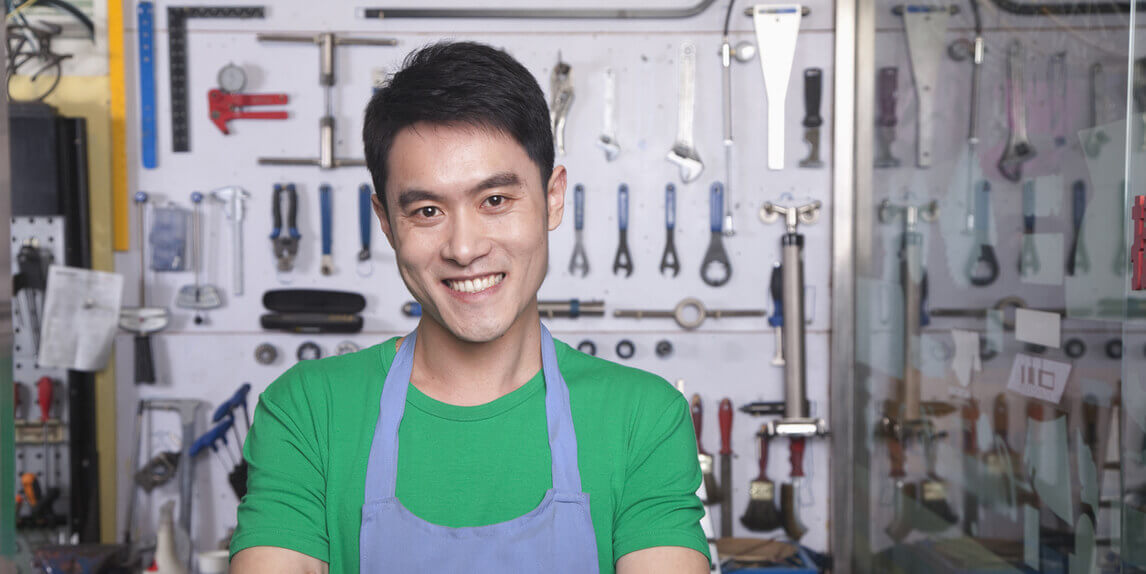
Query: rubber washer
[1114, 348]
[309, 351]
[625, 349]
[266, 354]
[664, 348]
[588, 347]
[1074, 348]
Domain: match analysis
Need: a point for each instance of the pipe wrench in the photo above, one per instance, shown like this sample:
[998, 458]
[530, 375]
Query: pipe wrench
[1019, 149]
[777, 27]
[561, 93]
[926, 28]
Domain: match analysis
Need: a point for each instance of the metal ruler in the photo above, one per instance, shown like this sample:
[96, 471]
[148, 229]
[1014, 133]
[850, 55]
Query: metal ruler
[177, 17]
[146, 16]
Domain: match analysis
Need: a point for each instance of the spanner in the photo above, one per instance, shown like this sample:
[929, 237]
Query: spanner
[983, 268]
[1029, 258]
[1078, 261]
[325, 201]
[233, 199]
[579, 261]
[683, 152]
[716, 259]
[561, 92]
[887, 85]
[1019, 149]
[1097, 137]
[607, 141]
[669, 259]
[776, 320]
[623, 260]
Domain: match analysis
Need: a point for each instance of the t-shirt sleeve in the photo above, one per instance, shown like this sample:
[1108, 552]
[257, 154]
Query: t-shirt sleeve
[659, 505]
[285, 504]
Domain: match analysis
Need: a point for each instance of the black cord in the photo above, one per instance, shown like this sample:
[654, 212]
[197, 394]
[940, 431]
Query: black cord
[978, 18]
[1065, 8]
[728, 16]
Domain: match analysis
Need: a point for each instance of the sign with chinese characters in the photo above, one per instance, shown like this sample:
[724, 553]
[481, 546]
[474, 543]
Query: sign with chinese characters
[1038, 378]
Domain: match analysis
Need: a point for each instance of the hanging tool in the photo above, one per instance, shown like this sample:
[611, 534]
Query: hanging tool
[1029, 257]
[143, 320]
[789, 503]
[903, 492]
[776, 320]
[926, 30]
[933, 493]
[689, 314]
[983, 268]
[1019, 149]
[177, 17]
[1139, 90]
[669, 259]
[1097, 137]
[186, 408]
[711, 490]
[777, 27]
[639, 13]
[233, 199]
[166, 552]
[813, 93]
[1056, 85]
[725, 465]
[561, 94]
[17, 399]
[285, 245]
[1046, 458]
[887, 87]
[158, 471]
[743, 52]
[999, 463]
[145, 18]
[326, 132]
[1078, 260]
[225, 106]
[326, 205]
[761, 515]
[970, 419]
[716, 270]
[683, 152]
[550, 309]
[623, 260]
[977, 54]
[579, 261]
[45, 389]
[607, 141]
[31, 282]
[198, 296]
[365, 267]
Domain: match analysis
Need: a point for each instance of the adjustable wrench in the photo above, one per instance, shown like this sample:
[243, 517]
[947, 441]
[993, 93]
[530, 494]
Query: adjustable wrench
[1029, 257]
[926, 28]
[325, 203]
[683, 152]
[623, 260]
[1019, 149]
[887, 84]
[813, 93]
[1078, 259]
[578, 261]
[561, 92]
[777, 27]
[233, 199]
[985, 260]
[607, 141]
[716, 258]
[1097, 137]
[669, 259]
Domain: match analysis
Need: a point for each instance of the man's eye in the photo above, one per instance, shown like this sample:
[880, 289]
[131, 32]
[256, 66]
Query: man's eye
[427, 211]
[495, 200]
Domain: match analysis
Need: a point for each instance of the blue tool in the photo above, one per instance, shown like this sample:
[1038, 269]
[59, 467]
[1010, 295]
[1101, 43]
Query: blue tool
[716, 269]
[776, 321]
[623, 260]
[239, 399]
[211, 438]
[147, 139]
[326, 199]
[669, 259]
[365, 222]
[579, 261]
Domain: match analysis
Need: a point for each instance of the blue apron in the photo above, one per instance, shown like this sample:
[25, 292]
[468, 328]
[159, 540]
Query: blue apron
[555, 537]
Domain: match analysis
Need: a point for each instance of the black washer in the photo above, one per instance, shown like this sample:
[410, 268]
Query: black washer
[588, 347]
[309, 351]
[1074, 348]
[664, 348]
[625, 349]
[1114, 348]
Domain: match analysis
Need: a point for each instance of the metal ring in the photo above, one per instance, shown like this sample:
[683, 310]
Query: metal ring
[1011, 303]
[625, 349]
[1074, 348]
[309, 351]
[664, 348]
[689, 303]
[266, 354]
[588, 347]
[346, 347]
[1114, 348]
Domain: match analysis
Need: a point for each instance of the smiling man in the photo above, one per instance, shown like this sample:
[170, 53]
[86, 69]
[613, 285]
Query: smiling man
[476, 443]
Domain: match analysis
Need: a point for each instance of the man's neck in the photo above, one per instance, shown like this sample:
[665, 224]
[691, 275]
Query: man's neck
[460, 373]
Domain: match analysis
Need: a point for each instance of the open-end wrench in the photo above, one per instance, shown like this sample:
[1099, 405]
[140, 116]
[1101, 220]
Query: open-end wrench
[1019, 149]
[1056, 85]
[365, 222]
[607, 141]
[326, 205]
[1078, 261]
[716, 270]
[683, 152]
[669, 259]
[887, 85]
[1139, 90]
[1029, 257]
[623, 260]
[777, 28]
[233, 199]
[776, 320]
[561, 93]
[813, 94]
[926, 28]
[983, 268]
[1097, 137]
[579, 261]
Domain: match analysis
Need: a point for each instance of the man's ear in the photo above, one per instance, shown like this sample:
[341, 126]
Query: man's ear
[383, 219]
[555, 196]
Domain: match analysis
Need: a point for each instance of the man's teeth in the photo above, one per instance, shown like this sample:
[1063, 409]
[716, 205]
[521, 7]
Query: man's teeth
[476, 285]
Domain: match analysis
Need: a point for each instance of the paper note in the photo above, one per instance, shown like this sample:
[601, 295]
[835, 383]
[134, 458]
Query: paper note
[1038, 327]
[966, 362]
[1038, 378]
[81, 313]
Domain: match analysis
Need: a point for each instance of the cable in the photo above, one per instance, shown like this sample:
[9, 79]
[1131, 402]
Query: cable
[728, 16]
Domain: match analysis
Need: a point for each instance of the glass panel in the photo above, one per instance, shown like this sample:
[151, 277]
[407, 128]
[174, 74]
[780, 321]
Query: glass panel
[991, 311]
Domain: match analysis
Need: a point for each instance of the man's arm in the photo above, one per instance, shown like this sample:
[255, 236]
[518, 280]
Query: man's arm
[663, 559]
[272, 560]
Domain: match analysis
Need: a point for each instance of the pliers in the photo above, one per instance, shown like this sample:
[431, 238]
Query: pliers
[285, 246]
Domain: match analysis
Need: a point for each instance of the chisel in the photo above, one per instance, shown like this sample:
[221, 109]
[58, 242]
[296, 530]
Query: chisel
[726, 467]
[711, 491]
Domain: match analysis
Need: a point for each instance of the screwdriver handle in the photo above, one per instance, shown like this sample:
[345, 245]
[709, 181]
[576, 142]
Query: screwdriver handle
[813, 94]
[796, 455]
[763, 458]
[670, 207]
[725, 426]
[895, 453]
[623, 207]
[45, 388]
[716, 207]
[579, 207]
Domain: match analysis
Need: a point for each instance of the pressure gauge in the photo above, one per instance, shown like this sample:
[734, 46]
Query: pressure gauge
[232, 79]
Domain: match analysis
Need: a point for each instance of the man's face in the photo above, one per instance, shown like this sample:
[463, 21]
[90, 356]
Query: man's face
[469, 222]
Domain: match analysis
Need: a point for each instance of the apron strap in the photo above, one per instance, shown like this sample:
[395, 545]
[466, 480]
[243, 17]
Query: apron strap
[559, 418]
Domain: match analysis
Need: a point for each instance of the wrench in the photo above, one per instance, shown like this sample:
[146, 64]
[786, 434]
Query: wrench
[561, 92]
[776, 321]
[669, 259]
[887, 85]
[983, 269]
[1097, 137]
[607, 141]
[1078, 259]
[683, 152]
[623, 260]
[233, 199]
[716, 259]
[688, 314]
[1029, 257]
[1019, 149]
[326, 200]
[578, 261]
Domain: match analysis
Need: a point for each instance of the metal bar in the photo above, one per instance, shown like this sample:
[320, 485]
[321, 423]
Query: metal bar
[795, 373]
[540, 13]
[1065, 8]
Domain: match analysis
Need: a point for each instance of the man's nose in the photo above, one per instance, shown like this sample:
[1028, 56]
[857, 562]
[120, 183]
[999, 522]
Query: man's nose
[468, 239]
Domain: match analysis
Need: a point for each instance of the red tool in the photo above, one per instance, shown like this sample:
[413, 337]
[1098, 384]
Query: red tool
[726, 467]
[46, 389]
[226, 106]
[1138, 248]
[16, 403]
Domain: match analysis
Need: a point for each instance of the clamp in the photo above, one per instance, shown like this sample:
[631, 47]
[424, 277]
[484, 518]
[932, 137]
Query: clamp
[285, 246]
[227, 106]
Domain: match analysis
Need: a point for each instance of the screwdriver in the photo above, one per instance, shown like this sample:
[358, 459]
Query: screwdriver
[16, 404]
[45, 387]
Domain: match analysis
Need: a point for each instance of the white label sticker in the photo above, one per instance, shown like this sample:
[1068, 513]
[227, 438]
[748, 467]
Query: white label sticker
[1038, 378]
[1038, 327]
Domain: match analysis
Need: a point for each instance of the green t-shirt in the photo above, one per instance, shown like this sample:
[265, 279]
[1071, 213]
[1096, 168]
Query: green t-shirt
[467, 466]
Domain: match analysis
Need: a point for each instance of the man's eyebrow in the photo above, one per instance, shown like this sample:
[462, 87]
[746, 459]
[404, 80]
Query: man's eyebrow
[504, 179]
[411, 196]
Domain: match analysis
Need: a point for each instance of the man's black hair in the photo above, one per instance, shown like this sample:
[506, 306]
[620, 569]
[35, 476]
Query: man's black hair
[459, 84]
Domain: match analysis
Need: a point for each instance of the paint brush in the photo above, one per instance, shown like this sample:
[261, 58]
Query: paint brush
[711, 490]
[761, 515]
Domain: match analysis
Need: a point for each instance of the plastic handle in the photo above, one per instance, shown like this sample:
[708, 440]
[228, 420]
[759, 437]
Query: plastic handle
[813, 94]
[725, 426]
[326, 204]
[579, 207]
[196, 197]
[983, 208]
[887, 86]
[277, 211]
[1029, 206]
[238, 399]
[777, 289]
[1079, 203]
[292, 210]
[796, 455]
[697, 421]
[623, 207]
[716, 207]
[763, 460]
[1001, 415]
[364, 209]
[209, 438]
[46, 389]
[144, 365]
[670, 206]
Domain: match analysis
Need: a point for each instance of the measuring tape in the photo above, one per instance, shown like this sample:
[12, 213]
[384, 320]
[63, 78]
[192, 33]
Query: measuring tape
[177, 17]
[146, 15]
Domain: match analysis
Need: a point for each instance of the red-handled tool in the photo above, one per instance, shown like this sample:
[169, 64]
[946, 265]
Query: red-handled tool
[16, 401]
[761, 515]
[711, 490]
[789, 505]
[726, 467]
[228, 106]
[904, 492]
[46, 389]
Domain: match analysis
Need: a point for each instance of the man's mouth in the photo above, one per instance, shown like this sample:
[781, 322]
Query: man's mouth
[475, 285]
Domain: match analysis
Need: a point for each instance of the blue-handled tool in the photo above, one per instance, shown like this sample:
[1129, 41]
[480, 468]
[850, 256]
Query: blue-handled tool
[326, 200]
[716, 270]
[669, 260]
[623, 260]
[145, 13]
[218, 433]
[579, 261]
[239, 399]
[1078, 259]
[365, 222]
[776, 320]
